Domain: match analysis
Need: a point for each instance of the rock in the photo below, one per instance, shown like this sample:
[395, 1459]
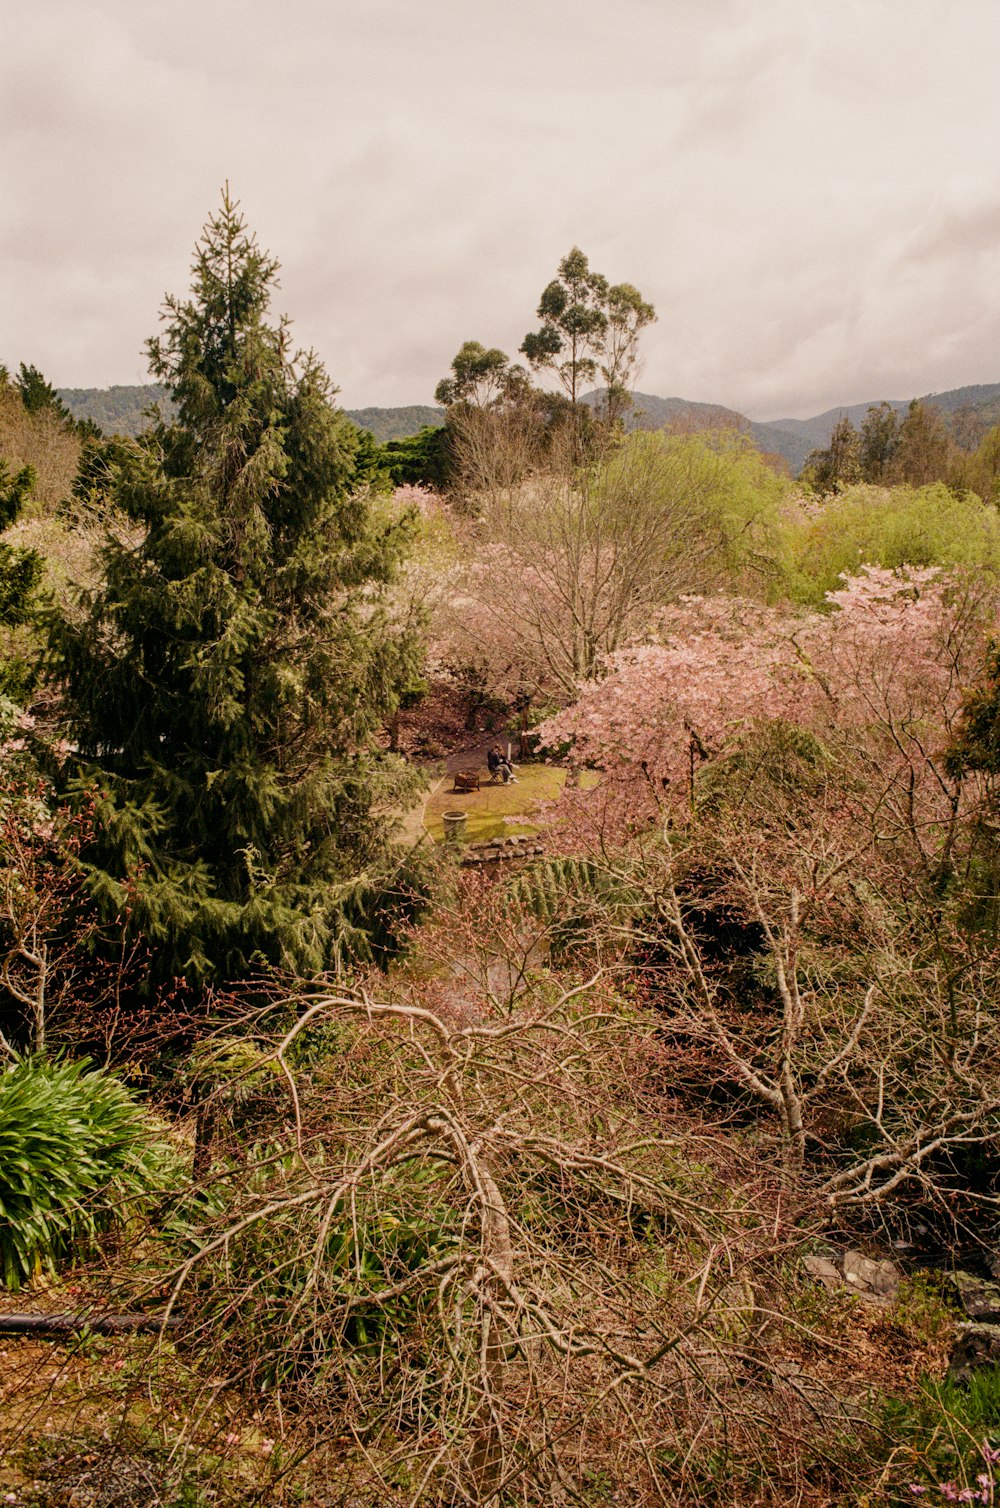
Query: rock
[875, 1282]
[977, 1346]
[507, 849]
[980, 1299]
[868, 1277]
[824, 1270]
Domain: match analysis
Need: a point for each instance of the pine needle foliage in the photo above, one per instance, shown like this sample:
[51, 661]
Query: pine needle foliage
[568, 893]
[20, 576]
[225, 679]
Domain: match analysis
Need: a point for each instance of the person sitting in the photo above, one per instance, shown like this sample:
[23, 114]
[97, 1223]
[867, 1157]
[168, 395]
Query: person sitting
[498, 764]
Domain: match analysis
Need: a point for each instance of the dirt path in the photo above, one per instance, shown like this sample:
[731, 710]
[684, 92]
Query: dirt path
[412, 829]
[473, 756]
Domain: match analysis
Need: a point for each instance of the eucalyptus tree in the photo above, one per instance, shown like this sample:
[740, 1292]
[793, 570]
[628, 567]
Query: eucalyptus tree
[588, 326]
[480, 378]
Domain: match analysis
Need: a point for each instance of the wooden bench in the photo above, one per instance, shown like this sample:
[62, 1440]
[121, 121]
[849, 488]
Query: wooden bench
[466, 780]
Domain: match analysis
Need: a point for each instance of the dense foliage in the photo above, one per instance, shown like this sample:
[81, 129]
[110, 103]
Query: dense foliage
[76, 1153]
[899, 526]
[421, 460]
[20, 575]
[224, 679]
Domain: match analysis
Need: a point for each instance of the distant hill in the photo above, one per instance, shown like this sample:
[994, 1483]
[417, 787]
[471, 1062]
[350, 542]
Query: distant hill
[982, 395]
[396, 423]
[968, 411]
[118, 410]
[122, 411]
[651, 412]
[794, 443]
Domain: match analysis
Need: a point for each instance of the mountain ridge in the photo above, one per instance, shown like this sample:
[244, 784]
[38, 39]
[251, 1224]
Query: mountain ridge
[978, 404]
[970, 411]
[123, 409]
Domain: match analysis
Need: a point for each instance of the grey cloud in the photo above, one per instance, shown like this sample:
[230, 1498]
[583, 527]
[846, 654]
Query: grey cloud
[808, 193]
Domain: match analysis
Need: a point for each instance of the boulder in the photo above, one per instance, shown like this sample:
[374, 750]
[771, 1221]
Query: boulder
[824, 1270]
[979, 1298]
[877, 1282]
[977, 1346]
[866, 1276]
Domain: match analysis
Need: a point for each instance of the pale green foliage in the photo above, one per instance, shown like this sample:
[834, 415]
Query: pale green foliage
[731, 502]
[981, 471]
[744, 497]
[919, 526]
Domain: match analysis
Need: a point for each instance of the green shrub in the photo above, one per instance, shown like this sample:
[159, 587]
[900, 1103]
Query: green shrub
[75, 1152]
[945, 1438]
[917, 526]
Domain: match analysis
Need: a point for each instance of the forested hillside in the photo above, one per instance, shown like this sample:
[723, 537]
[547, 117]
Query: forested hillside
[395, 423]
[125, 411]
[969, 413]
[498, 979]
[116, 410]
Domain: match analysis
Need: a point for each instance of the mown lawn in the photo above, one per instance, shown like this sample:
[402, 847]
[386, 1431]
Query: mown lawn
[487, 809]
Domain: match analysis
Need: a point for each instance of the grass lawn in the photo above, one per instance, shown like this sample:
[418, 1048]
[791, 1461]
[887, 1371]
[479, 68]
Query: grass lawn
[486, 809]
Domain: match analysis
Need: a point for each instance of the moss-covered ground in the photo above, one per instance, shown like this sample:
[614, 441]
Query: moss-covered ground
[495, 810]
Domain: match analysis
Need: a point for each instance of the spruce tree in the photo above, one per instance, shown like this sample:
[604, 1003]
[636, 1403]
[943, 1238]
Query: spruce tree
[225, 679]
[21, 572]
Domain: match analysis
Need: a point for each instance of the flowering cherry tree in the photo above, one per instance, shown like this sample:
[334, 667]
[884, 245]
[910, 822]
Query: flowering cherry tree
[789, 775]
[887, 660]
[714, 663]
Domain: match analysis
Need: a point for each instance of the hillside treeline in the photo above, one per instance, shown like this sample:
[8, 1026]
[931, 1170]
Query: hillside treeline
[917, 448]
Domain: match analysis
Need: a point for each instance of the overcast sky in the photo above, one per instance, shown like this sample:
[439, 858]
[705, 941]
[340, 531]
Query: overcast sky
[808, 190]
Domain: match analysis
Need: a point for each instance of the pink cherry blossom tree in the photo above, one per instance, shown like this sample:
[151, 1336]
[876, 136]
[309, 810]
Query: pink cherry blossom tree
[789, 772]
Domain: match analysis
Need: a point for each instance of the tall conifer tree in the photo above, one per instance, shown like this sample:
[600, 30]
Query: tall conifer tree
[226, 677]
[21, 572]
